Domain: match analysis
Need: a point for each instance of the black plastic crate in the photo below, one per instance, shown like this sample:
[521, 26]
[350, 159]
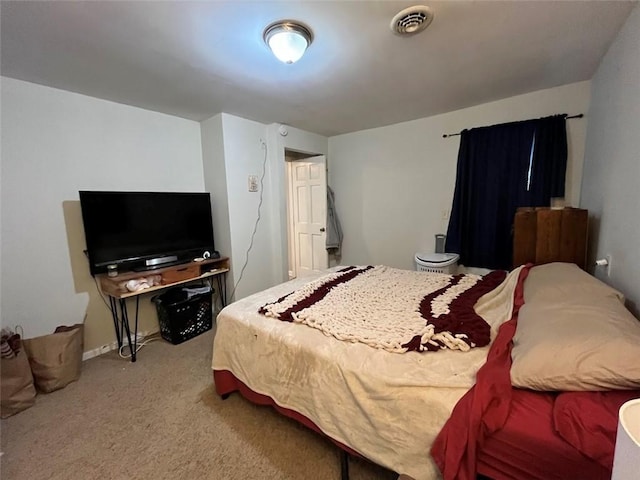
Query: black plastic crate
[183, 315]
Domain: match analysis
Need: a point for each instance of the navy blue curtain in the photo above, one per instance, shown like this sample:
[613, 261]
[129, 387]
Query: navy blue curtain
[501, 168]
[549, 163]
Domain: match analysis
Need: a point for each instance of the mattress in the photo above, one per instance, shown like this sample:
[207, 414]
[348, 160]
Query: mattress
[388, 407]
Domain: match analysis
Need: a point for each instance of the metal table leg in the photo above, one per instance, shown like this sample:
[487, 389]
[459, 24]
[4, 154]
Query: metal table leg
[344, 465]
[121, 324]
[124, 319]
[114, 314]
[135, 332]
[222, 288]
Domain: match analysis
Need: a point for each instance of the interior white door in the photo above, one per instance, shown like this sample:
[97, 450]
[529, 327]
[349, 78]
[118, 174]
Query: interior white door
[309, 215]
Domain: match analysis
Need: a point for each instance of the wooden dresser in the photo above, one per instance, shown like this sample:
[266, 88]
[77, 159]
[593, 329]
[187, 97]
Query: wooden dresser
[543, 235]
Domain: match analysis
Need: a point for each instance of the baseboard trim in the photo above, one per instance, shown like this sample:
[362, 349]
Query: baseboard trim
[96, 352]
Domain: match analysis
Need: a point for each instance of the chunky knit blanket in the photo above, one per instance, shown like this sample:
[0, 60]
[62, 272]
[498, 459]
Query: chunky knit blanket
[391, 309]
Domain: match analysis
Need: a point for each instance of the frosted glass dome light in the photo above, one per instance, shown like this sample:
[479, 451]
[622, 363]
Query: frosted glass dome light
[287, 40]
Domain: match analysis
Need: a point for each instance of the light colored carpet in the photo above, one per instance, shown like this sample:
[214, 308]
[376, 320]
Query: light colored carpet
[160, 418]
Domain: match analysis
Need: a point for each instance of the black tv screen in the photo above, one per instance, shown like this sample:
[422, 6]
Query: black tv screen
[130, 229]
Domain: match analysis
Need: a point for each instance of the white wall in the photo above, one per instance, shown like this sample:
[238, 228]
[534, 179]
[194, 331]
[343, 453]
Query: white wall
[244, 156]
[215, 179]
[300, 141]
[612, 162]
[55, 143]
[233, 150]
[393, 184]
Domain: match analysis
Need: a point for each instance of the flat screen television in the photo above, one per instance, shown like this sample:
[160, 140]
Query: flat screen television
[145, 230]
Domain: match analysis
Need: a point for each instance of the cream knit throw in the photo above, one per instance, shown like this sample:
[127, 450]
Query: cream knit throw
[379, 306]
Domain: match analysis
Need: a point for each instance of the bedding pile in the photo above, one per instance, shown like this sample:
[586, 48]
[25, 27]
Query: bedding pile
[391, 309]
[570, 334]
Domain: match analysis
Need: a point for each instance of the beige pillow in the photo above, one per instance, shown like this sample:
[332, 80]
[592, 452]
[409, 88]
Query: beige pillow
[574, 333]
[558, 282]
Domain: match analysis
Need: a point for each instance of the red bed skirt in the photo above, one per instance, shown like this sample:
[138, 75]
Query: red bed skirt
[227, 383]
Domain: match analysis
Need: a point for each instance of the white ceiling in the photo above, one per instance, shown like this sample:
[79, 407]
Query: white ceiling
[196, 59]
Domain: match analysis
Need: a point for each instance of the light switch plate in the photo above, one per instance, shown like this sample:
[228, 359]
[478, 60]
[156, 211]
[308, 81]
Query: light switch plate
[253, 183]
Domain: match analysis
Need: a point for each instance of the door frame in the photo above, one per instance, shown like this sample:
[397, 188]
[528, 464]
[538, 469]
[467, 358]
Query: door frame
[291, 157]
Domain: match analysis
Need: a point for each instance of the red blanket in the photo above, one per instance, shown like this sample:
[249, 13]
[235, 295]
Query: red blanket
[484, 408]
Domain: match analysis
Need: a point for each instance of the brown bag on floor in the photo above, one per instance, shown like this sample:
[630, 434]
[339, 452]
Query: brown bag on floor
[56, 359]
[17, 392]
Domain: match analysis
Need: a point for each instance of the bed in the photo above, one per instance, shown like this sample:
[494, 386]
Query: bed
[391, 406]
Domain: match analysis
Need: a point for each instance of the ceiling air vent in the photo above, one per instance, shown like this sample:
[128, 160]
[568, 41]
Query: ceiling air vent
[411, 20]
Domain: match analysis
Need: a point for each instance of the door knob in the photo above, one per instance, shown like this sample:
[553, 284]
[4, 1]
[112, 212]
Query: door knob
[322, 229]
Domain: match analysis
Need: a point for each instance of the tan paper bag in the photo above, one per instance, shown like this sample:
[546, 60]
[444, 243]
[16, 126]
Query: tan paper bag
[56, 359]
[17, 392]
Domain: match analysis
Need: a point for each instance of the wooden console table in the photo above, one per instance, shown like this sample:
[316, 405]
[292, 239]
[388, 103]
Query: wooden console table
[115, 289]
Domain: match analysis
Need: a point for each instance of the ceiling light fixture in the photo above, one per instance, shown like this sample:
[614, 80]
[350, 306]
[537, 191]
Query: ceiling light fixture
[288, 40]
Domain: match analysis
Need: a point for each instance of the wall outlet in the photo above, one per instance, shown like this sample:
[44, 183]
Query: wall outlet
[139, 338]
[104, 349]
[101, 350]
[253, 183]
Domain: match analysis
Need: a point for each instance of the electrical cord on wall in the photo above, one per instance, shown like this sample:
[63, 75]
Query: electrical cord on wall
[255, 226]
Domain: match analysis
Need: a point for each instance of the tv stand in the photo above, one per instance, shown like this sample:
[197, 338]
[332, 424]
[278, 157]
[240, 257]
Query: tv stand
[170, 276]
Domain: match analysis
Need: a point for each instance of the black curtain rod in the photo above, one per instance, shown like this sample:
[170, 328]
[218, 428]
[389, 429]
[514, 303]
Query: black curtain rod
[447, 135]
